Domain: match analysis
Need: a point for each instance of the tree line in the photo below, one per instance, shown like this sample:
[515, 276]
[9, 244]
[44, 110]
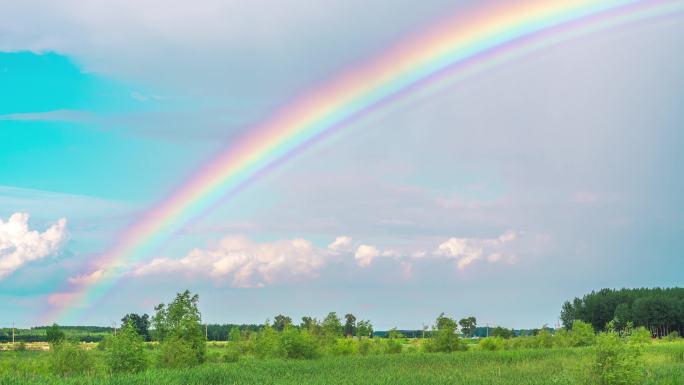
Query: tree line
[660, 310]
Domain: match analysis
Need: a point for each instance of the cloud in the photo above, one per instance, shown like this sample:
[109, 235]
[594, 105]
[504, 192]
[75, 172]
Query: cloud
[244, 263]
[365, 254]
[341, 244]
[20, 245]
[468, 250]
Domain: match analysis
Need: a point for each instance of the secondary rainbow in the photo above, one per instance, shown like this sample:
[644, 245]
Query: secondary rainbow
[462, 40]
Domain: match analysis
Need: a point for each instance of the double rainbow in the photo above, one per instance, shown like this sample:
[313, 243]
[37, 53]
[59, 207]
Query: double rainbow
[459, 42]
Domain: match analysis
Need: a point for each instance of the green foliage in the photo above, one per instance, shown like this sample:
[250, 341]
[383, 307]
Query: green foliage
[444, 338]
[232, 353]
[349, 325]
[364, 328]
[54, 335]
[582, 334]
[492, 343]
[280, 322]
[176, 352]
[673, 336]
[502, 332]
[267, 344]
[344, 347]
[68, 359]
[468, 326]
[20, 347]
[640, 335]
[235, 335]
[179, 328]
[617, 361]
[332, 327]
[140, 323]
[659, 310]
[297, 343]
[125, 351]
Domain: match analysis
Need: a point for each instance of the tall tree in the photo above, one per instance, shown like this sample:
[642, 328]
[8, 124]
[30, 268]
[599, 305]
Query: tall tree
[180, 331]
[364, 328]
[468, 326]
[349, 325]
[280, 322]
[141, 324]
[332, 325]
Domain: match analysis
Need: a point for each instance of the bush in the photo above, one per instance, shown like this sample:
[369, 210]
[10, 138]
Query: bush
[492, 343]
[267, 343]
[345, 347]
[581, 334]
[297, 343]
[444, 338]
[125, 351]
[392, 346]
[67, 359]
[640, 335]
[54, 335]
[232, 353]
[176, 352]
[617, 361]
[21, 346]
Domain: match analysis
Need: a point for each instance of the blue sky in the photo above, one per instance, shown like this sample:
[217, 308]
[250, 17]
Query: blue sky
[499, 195]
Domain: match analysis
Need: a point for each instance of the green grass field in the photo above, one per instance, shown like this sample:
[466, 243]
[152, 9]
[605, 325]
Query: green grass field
[664, 363]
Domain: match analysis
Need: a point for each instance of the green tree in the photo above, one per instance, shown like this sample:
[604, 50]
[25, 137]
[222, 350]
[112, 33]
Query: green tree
[140, 323]
[582, 334]
[616, 362]
[444, 337]
[124, 351]
[235, 335]
[54, 335]
[332, 325]
[179, 328]
[364, 328]
[280, 322]
[502, 332]
[349, 325]
[296, 343]
[468, 326]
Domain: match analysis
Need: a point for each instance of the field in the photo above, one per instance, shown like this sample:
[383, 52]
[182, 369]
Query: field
[663, 361]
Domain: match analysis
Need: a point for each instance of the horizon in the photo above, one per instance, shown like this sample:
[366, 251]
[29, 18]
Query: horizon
[459, 157]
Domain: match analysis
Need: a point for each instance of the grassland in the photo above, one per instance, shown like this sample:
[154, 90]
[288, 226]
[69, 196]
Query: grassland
[664, 363]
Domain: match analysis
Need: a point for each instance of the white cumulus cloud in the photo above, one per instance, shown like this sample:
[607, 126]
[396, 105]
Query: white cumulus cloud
[20, 245]
[468, 250]
[245, 263]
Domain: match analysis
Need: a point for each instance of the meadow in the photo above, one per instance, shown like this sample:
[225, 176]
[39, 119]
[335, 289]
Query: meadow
[663, 365]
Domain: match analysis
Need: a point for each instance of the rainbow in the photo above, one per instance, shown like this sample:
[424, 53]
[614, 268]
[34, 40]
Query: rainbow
[458, 42]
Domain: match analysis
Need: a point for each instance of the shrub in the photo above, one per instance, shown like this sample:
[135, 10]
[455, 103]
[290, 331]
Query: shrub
[581, 334]
[345, 347]
[444, 338]
[364, 345]
[67, 359]
[176, 352]
[297, 343]
[125, 351]
[232, 353]
[267, 343]
[617, 361]
[21, 346]
[54, 335]
[640, 335]
[492, 343]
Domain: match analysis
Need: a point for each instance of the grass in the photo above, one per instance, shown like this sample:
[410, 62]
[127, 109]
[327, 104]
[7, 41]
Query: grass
[560, 366]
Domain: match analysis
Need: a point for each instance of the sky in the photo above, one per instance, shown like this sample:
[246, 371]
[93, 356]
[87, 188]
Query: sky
[499, 195]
